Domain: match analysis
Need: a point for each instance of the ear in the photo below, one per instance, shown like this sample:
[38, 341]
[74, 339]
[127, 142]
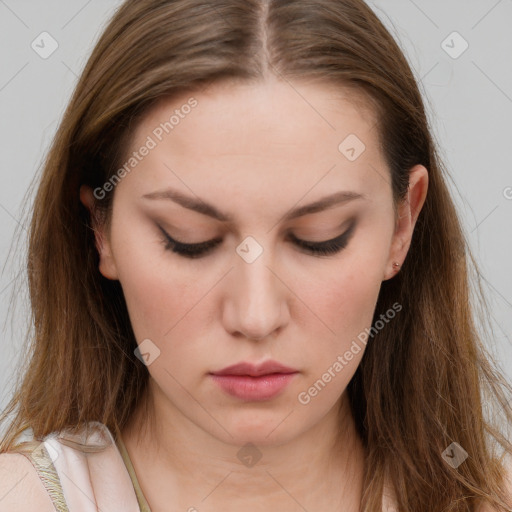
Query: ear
[408, 212]
[107, 266]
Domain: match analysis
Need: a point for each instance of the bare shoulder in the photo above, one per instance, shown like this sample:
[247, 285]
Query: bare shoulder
[20, 486]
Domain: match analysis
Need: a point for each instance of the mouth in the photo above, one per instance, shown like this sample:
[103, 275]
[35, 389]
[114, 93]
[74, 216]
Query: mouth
[254, 389]
[250, 382]
[256, 370]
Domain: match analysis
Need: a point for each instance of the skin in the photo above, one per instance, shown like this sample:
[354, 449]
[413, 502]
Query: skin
[254, 152]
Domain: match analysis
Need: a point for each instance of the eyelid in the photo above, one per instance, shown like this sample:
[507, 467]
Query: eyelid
[187, 244]
[200, 249]
[291, 235]
[324, 242]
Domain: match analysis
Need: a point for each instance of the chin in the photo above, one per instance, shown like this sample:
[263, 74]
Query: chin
[262, 428]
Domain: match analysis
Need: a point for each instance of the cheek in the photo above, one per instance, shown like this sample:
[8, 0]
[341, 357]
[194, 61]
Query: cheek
[343, 296]
[349, 307]
[156, 301]
[346, 304]
[156, 289]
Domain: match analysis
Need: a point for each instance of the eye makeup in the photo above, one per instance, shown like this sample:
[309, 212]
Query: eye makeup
[202, 249]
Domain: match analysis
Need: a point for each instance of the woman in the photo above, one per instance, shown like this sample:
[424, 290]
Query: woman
[248, 279]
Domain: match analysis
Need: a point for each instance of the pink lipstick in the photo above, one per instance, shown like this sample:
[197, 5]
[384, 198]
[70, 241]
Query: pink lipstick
[251, 382]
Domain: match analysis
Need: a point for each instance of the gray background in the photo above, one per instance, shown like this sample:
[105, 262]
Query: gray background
[469, 100]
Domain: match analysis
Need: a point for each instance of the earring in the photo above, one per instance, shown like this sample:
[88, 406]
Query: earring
[396, 265]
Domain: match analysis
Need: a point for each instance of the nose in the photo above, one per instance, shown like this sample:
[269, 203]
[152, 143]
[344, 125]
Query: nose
[256, 300]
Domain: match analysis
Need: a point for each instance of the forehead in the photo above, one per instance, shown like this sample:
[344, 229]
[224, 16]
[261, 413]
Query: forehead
[276, 134]
[292, 111]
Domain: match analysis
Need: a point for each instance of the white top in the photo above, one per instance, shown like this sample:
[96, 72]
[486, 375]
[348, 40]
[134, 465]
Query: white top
[86, 472]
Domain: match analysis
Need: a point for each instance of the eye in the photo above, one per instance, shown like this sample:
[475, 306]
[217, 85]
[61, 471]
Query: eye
[190, 251]
[201, 249]
[328, 247]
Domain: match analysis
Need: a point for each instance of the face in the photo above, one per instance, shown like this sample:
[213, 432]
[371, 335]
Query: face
[270, 279]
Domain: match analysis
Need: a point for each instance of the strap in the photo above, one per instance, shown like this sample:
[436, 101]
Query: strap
[38, 455]
[143, 504]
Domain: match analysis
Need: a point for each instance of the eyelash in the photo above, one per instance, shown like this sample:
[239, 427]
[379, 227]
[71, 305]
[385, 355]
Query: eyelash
[194, 251]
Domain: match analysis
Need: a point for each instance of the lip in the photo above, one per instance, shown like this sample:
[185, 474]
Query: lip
[254, 383]
[255, 370]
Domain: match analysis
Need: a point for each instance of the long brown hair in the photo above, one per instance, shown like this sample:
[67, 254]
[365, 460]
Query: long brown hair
[423, 381]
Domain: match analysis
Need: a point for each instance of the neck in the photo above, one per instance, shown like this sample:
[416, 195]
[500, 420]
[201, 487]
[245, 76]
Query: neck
[181, 464]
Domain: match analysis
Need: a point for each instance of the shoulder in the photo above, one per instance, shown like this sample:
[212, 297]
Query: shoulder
[20, 486]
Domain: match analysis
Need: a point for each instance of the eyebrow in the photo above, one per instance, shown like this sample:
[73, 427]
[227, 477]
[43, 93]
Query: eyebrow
[200, 206]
